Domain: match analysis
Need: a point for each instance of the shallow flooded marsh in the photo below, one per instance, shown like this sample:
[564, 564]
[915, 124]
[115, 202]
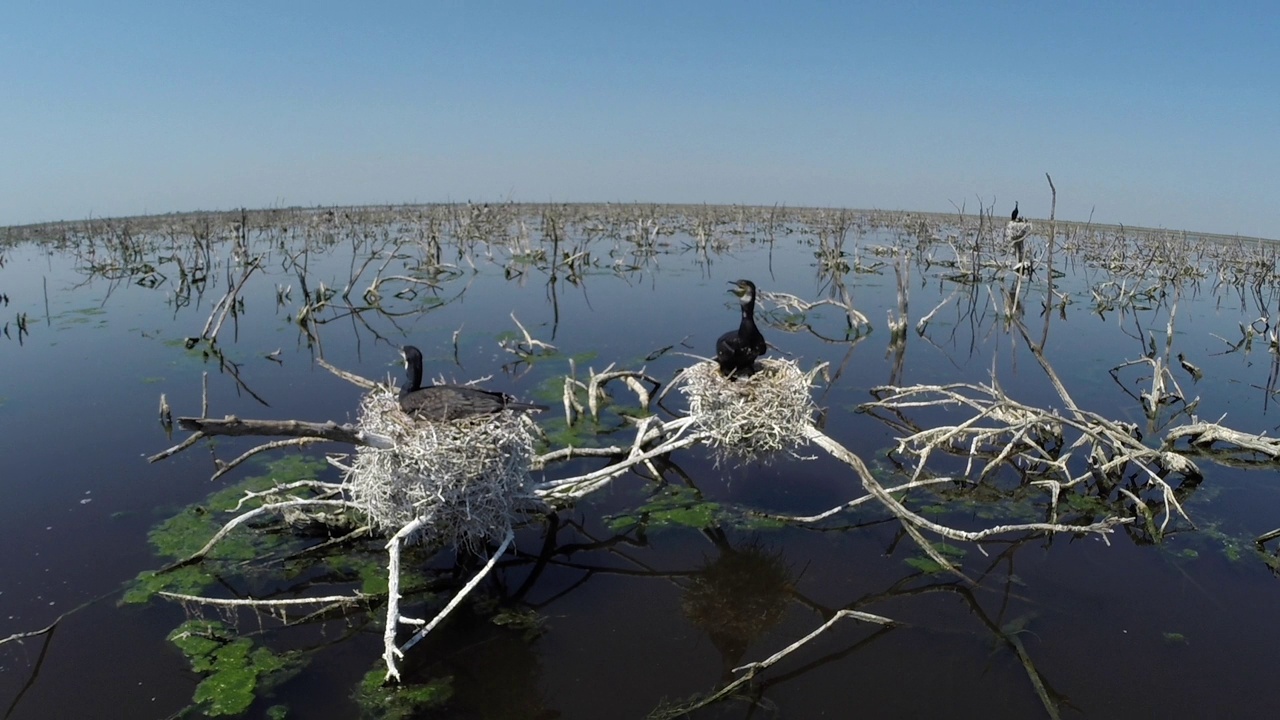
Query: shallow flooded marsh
[1028, 478]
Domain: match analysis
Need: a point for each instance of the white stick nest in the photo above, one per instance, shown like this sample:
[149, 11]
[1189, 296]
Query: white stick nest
[753, 418]
[1015, 230]
[465, 477]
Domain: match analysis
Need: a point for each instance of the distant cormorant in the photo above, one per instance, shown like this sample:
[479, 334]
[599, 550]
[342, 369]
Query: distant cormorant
[449, 402]
[736, 351]
[1014, 216]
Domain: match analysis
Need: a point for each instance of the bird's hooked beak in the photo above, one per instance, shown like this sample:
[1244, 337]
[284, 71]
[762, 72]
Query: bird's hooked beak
[745, 291]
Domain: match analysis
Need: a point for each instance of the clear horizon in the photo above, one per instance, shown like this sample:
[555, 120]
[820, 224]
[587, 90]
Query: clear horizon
[1156, 119]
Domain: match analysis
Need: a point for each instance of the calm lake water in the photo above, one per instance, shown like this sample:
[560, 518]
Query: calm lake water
[624, 605]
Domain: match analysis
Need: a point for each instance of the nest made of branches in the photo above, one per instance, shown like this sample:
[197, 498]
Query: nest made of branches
[467, 478]
[752, 418]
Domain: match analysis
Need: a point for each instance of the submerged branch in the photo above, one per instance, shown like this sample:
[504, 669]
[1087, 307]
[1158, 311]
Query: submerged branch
[336, 600]
[838, 451]
[191, 440]
[750, 670]
[32, 633]
[226, 467]
[462, 594]
[249, 515]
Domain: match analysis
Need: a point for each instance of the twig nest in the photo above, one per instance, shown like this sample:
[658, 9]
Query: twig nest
[466, 477]
[751, 418]
[1015, 230]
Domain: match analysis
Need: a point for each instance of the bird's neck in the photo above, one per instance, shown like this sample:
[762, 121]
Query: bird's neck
[415, 379]
[749, 313]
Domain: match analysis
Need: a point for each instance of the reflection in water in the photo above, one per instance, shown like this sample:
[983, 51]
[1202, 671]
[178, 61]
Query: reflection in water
[737, 596]
[492, 664]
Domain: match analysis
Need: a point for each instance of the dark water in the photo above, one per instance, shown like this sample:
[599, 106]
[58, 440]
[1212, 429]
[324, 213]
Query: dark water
[632, 618]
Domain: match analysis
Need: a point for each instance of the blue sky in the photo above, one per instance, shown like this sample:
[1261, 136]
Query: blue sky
[1156, 114]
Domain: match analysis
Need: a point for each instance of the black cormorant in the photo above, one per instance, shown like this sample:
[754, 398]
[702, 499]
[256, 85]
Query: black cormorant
[1014, 216]
[736, 351]
[449, 402]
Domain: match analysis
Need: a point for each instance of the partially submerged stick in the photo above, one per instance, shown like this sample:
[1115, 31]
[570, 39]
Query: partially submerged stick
[235, 427]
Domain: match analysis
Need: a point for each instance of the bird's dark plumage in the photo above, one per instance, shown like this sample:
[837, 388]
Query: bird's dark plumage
[449, 402]
[736, 351]
[1014, 216]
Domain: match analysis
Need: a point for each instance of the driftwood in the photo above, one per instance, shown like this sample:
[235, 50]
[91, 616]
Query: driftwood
[1001, 430]
[236, 427]
[1203, 435]
[302, 432]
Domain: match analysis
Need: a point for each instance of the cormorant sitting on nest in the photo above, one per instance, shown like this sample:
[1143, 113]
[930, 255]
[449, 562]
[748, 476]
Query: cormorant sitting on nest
[1014, 216]
[449, 402]
[736, 351]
